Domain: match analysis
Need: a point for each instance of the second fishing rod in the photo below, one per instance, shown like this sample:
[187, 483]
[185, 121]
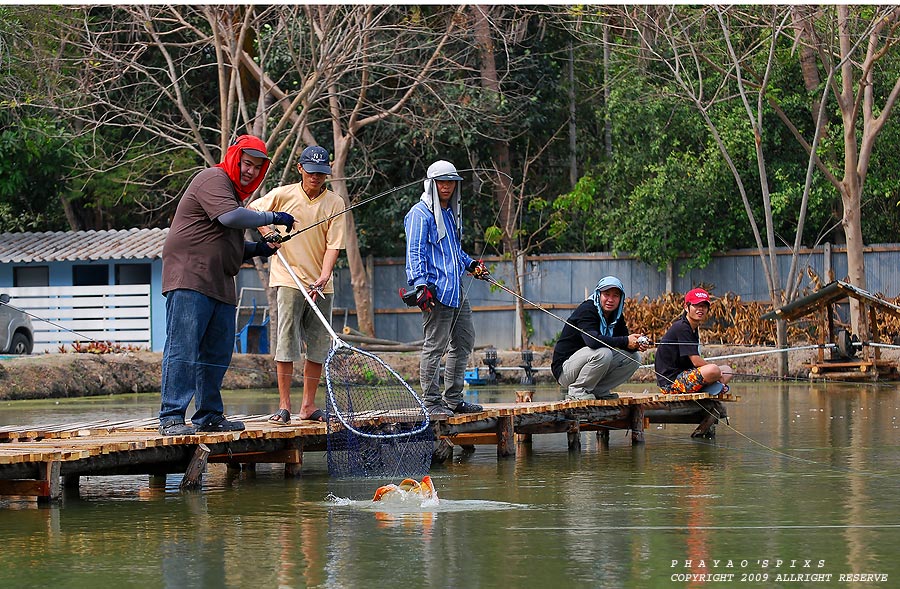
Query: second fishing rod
[277, 237]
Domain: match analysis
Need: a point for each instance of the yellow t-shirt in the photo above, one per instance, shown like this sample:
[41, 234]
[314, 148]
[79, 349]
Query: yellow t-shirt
[304, 252]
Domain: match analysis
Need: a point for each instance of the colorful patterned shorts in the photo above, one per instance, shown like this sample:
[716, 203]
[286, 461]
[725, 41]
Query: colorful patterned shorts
[689, 381]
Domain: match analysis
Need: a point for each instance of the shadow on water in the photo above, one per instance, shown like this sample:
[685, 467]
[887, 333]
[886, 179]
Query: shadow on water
[802, 482]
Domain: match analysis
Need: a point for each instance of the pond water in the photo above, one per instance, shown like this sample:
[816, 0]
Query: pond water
[800, 489]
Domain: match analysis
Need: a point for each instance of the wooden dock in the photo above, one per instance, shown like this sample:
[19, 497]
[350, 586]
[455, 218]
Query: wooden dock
[39, 461]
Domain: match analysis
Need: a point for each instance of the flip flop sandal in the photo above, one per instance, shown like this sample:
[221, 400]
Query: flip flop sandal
[317, 415]
[281, 417]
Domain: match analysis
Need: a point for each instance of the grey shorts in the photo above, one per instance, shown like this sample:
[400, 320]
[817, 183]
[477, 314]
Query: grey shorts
[294, 315]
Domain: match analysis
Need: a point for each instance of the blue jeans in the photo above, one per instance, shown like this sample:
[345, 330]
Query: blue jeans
[199, 344]
[446, 330]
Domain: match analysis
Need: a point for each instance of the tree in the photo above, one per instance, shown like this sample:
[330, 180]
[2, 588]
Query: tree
[181, 79]
[853, 47]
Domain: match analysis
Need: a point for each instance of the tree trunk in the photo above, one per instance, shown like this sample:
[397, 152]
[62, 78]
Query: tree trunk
[500, 157]
[519, 272]
[359, 279]
[607, 119]
[802, 17]
[573, 138]
[856, 268]
[781, 341]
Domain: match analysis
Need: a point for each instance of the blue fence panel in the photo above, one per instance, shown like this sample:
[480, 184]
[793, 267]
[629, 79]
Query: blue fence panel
[560, 282]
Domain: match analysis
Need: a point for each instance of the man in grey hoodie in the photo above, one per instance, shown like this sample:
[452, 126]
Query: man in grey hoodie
[595, 351]
[435, 262]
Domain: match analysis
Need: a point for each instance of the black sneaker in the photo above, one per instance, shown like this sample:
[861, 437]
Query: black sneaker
[435, 410]
[220, 424]
[608, 396]
[176, 428]
[464, 407]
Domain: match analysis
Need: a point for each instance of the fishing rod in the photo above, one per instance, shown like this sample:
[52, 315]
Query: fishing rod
[278, 237]
[642, 340]
[765, 447]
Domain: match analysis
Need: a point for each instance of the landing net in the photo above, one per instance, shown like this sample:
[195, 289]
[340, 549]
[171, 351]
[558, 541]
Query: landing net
[377, 426]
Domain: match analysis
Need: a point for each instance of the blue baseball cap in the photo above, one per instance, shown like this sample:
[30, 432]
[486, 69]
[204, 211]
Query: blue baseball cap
[314, 160]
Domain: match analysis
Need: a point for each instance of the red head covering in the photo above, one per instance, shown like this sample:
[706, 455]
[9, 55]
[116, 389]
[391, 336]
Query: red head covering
[232, 164]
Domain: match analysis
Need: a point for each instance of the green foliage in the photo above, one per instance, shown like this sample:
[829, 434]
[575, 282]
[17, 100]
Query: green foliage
[33, 157]
[661, 191]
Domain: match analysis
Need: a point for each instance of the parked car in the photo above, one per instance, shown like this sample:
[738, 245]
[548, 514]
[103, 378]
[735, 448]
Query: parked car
[16, 332]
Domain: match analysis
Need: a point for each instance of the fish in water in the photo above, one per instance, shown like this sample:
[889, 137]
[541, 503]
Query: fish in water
[407, 487]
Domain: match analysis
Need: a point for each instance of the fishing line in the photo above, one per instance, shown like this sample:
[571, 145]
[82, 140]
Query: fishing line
[504, 288]
[748, 354]
[281, 237]
[57, 325]
[767, 451]
[726, 423]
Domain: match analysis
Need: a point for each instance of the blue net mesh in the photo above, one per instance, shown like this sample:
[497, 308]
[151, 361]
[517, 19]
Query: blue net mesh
[377, 425]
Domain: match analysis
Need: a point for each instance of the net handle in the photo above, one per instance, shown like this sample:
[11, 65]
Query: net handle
[312, 303]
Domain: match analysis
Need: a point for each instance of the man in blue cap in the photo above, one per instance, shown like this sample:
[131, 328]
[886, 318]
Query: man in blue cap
[311, 254]
[435, 262]
[595, 351]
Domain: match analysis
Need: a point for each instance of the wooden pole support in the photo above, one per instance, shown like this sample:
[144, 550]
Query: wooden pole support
[47, 488]
[194, 472]
[573, 435]
[707, 427]
[443, 451]
[294, 465]
[506, 435]
[637, 424]
[603, 437]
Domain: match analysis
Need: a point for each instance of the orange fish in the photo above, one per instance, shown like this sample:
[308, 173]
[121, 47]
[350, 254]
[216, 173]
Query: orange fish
[425, 489]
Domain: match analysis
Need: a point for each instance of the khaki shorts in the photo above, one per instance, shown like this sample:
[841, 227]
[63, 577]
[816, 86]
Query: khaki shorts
[294, 314]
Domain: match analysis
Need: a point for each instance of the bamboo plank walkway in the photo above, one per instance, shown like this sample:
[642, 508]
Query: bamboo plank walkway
[34, 458]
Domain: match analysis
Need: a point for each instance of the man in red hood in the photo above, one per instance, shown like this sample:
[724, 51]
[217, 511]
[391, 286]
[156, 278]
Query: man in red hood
[203, 252]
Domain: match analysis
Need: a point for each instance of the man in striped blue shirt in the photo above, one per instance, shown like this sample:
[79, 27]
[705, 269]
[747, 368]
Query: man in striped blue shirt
[435, 262]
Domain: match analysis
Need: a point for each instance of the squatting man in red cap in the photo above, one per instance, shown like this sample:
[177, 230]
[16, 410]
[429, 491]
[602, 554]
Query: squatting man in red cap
[202, 254]
[679, 367]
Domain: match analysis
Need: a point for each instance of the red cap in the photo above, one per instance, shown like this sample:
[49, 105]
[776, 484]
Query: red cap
[696, 296]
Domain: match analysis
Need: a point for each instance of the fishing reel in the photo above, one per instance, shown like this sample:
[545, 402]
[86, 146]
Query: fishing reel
[643, 341]
[277, 237]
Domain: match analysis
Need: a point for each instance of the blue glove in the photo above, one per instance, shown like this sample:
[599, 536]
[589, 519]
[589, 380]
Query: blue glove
[282, 218]
[260, 248]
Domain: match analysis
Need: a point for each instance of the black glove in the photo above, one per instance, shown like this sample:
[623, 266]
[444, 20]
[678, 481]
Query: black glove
[478, 270]
[409, 297]
[259, 248]
[425, 299]
[282, 218]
